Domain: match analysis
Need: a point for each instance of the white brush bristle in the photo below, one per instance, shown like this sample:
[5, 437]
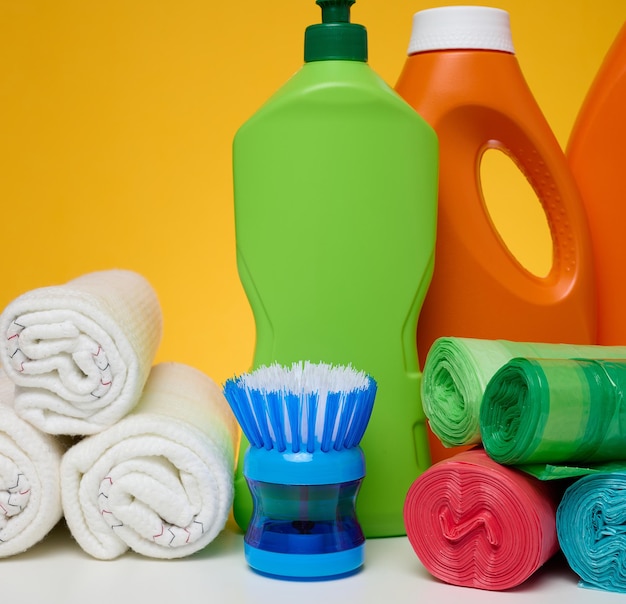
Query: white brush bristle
[306, 378]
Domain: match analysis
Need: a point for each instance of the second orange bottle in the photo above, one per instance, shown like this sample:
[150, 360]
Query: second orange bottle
[462, 76]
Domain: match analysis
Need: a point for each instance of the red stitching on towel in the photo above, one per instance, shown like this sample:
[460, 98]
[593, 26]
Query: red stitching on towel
[15, 335]
[188, 535]
[103, 512]
[105, 383]
[4, 510]
[108, 478]
[161, 533]
[24, 492]
[95, 354]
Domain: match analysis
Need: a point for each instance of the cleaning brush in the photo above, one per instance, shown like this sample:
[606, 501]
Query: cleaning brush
[304, 465]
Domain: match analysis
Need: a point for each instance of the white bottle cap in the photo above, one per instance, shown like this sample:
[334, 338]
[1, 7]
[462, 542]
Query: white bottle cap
[461, 27]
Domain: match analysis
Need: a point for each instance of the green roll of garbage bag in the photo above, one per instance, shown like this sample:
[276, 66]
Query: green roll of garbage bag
[555, 411]
[457, 371]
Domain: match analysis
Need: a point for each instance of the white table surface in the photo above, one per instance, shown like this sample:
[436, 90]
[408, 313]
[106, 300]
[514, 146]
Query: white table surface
[57, 570]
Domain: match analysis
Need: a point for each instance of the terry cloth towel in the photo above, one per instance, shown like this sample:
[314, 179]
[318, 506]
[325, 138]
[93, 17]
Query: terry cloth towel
[80, 353]
[590, 522]
[475, 523]
[160, 481]
[30, 488]
[457, 371]
[554, 411]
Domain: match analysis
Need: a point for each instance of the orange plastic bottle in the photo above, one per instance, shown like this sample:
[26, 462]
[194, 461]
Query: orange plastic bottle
[463, 78]
[596, 156]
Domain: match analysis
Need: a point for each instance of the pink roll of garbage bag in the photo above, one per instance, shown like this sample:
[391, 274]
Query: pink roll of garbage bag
[475, 523]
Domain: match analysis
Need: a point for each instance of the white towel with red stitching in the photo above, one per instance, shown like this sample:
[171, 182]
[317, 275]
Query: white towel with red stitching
[160, 481]
[30, 489]
[80, 353]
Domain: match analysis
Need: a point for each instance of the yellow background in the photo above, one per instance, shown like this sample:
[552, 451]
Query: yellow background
[116, 122]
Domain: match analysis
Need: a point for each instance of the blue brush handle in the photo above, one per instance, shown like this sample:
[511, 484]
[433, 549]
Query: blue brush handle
[304, 468]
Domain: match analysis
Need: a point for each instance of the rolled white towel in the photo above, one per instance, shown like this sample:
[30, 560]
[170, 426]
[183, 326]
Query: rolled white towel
[160, 481]
[80, 353]
[30, 488]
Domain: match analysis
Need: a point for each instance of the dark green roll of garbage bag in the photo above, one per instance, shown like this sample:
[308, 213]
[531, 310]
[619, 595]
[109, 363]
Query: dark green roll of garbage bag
[555, 411]
[591, 522]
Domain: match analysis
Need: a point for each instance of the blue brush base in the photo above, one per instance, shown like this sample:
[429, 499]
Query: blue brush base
[305, 566]
[304, 522]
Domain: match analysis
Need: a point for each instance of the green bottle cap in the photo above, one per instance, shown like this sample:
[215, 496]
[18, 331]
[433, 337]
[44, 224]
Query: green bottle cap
[335, 38]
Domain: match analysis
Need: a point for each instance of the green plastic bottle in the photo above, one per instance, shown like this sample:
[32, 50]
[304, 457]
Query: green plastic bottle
[335, 187]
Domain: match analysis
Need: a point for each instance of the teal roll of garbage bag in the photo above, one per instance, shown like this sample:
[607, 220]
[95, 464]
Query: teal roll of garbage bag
[555, 411]
[591, 529]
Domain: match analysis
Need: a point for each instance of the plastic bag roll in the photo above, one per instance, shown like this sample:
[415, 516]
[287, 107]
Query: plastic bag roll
[457, 371]
[555, 411]
[476, 523]
[591, 528]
